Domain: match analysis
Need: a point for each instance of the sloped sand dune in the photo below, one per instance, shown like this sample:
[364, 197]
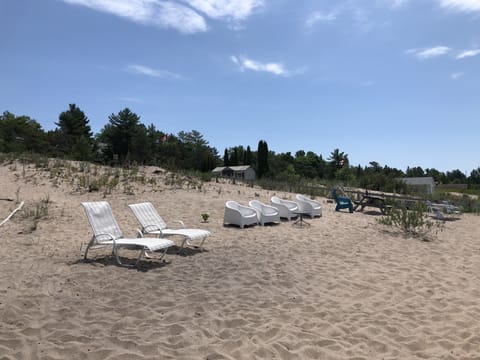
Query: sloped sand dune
[343, 288]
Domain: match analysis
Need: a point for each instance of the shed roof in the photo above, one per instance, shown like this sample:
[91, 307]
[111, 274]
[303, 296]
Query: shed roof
[234, 168]
[428, 180]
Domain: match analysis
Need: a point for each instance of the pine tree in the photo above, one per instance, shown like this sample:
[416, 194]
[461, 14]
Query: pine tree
[73, 137]
[262, 166]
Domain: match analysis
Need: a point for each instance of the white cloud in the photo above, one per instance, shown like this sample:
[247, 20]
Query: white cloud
[461, 5]
[429, 52]
[181, 15]
[181, 18]
[230, 9]
[148, 71]
[132, 99]
[319, 17]
[395, 4]
[457, 75]
[468, 53]
[273, 68]
[165, 14]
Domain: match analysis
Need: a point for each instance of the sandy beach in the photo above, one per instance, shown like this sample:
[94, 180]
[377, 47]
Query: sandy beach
[343, 288]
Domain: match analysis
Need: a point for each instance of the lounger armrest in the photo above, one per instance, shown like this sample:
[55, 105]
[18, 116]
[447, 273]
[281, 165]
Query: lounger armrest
[150, 228]
[109, 236]
[181, 223]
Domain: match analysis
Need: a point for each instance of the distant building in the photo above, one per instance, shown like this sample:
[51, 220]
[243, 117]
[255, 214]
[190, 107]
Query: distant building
[243, 172]
[422, 184]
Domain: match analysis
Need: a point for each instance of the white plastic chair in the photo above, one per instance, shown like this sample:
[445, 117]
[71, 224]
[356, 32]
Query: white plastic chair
[265, 213]
[107, 232]
[153, 224]
[237, 214]
[311, 207]
[286, 208]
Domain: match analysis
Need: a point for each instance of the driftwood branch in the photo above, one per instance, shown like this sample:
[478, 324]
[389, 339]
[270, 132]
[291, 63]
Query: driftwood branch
[12, 213]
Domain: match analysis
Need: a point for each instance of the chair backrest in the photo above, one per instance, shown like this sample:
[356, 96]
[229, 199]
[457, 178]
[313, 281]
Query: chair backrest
[233, 205]
[334, 195]
[242, 209]
[288, 203]
[256, 204]
[101, 219]
[276, 200]
[305, 198]
[147, 215]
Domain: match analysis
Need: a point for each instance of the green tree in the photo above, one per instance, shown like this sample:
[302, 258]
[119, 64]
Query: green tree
[456, 177]
[248, 156]
[125, 137]
[234, 157]
[337, 160]
[195, 152]
[20, 134]
[226, 159]
[73, 138]
[416, 171]
[475, 176]
[262, 159]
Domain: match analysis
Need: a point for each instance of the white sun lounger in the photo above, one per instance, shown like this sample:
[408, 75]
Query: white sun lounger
[106, 232]
[153, 224]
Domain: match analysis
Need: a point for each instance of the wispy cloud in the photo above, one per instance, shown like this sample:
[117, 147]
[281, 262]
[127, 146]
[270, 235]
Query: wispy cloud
[461, 5]
[319, 17]
[395, 4]
[181, 15]
[164, 14]
[457, 75]
[249, 64]
[230, 9]
[148, 71]
[181, 18]
[428, 53]
[468, 53]
[132, 99]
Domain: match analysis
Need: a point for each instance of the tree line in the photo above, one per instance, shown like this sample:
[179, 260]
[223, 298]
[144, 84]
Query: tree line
[126, 140]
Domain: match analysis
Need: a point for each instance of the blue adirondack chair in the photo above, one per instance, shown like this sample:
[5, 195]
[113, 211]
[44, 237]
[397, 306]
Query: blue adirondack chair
[343, 202]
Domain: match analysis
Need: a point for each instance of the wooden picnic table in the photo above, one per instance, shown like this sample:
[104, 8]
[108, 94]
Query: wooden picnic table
[373, 201]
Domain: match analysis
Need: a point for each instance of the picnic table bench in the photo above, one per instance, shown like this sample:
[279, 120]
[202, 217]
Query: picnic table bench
[377, 201]
[441, 209]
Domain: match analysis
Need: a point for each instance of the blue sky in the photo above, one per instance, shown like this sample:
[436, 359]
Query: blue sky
[391, 81]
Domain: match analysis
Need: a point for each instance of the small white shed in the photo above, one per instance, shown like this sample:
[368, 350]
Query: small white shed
[426, 183]
[242, 172]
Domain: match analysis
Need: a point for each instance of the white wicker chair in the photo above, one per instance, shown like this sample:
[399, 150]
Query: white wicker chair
[285, 208]
[311, 207]
[241, 215]
[265, 213]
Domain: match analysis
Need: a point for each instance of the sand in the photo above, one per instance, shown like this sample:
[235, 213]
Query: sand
[343, 288]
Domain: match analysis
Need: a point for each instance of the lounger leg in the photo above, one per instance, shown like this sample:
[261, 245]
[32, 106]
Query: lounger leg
[140, 255]
[199, 246]
[117, 257]
[164, 253]
[88, 247]
[183, 245]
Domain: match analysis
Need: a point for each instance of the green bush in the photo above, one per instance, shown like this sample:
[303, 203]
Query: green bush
[413, 221]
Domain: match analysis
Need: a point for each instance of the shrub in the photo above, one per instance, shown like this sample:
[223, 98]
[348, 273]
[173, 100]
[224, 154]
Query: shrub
[413, 221]
[36, 212]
